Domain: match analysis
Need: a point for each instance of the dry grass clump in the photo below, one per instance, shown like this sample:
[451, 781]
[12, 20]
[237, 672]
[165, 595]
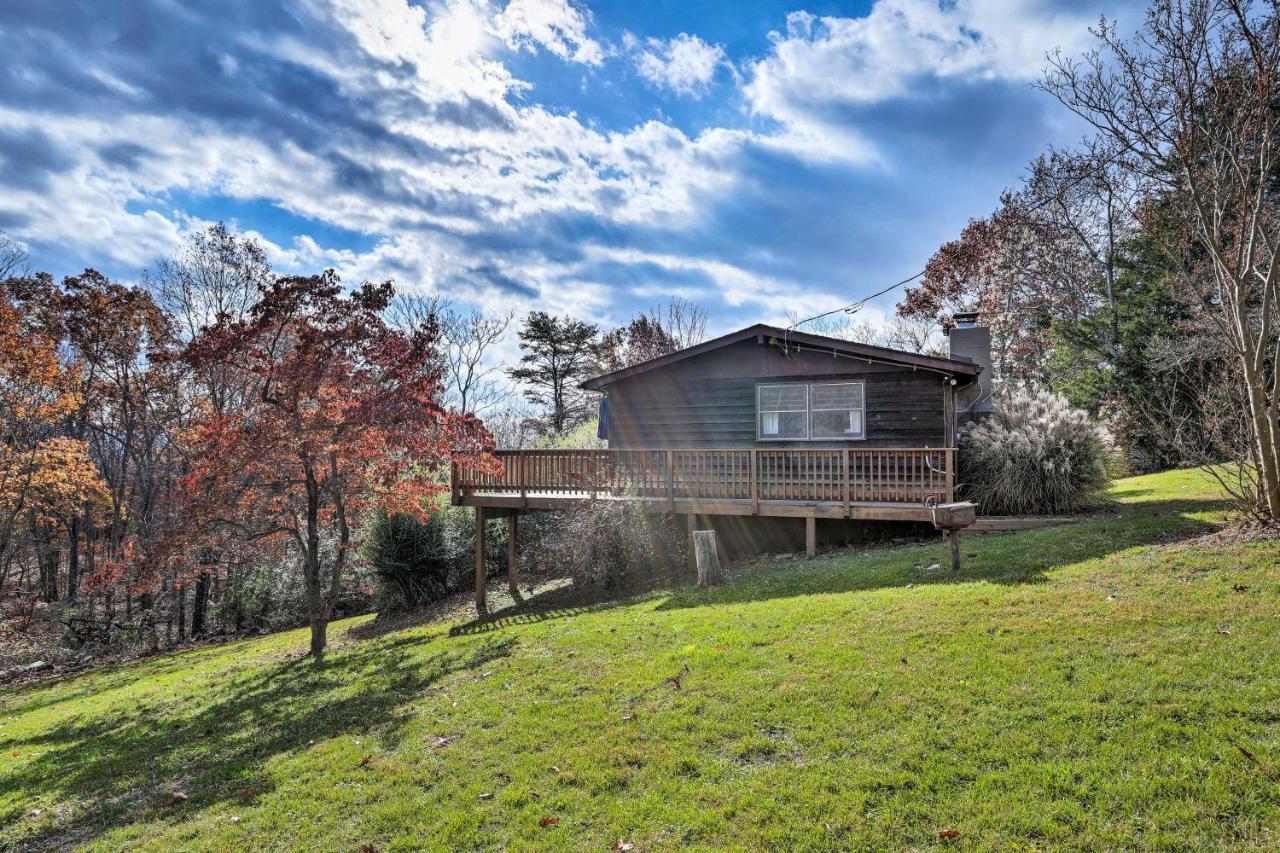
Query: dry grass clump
[1036, 455]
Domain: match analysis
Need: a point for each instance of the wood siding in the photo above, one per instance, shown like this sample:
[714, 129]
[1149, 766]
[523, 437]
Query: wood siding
[710, 401]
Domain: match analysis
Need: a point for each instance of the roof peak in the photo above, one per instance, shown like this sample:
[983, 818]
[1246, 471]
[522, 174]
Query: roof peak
[788, 338]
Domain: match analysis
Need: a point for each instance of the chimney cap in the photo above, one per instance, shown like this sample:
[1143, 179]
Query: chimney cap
[965, 319]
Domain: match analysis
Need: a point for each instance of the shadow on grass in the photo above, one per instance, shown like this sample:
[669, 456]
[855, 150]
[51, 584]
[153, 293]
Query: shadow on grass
[117, 766]
[1022, 557]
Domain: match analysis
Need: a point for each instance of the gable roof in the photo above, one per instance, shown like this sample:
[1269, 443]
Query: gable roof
[963, 371]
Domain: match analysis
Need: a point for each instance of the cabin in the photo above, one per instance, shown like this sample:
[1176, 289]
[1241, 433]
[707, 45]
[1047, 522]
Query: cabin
[762, 434]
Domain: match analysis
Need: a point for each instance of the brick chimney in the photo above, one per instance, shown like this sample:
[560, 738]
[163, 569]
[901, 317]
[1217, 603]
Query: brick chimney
[967, 341]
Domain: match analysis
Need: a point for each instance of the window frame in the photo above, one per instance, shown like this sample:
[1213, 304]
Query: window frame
[809, 410]
[760, 436]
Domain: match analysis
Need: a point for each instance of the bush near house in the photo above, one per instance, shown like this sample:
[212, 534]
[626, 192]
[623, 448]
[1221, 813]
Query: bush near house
[1036, 455]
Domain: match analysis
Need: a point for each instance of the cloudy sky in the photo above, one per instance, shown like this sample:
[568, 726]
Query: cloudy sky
[758, 157]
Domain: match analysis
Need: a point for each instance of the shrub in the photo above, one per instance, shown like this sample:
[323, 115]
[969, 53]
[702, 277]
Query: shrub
[605, 544]
[1035, 455]
[413, 561]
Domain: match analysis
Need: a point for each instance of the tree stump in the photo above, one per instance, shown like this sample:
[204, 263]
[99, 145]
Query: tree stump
[708, 560]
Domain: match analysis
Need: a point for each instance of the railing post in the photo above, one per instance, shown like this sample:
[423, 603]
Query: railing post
[950, 454]
[521, 479]
[755, 484]
[454, 497]
[844, 477]
[671, 480]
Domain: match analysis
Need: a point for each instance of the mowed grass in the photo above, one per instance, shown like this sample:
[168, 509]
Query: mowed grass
[1102, 685]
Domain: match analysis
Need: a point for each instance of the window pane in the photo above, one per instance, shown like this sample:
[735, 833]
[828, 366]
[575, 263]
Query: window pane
[782, 425]
[843, 396]
[775, 398]
[837, 423]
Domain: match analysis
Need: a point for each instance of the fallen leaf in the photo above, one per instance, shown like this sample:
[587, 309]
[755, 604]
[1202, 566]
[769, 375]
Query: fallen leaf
[674, 681]
[623, 845]
[628, 717]
[1224, 632]
[555, 769]
[487, 795]
[548, 821]
[364, 762]
[368, 848]
[235, 818]
[1240, 587]
[791, 658]
[176, 798]
[721, 647]
[444, 740]
[985, 600]
[949, 834]
[1249, 755]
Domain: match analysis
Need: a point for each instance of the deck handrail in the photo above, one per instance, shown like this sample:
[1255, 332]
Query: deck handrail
[844, 475]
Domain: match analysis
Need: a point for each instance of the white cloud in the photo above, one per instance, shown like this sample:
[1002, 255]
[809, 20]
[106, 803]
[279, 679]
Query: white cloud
[554, 25]
[685, 64]
[820, 67]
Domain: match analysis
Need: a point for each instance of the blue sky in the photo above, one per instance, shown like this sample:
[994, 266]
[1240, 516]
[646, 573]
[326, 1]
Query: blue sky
[757, 157]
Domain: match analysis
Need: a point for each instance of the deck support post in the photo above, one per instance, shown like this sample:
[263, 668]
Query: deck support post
[953, 539]
[513, 554]
[810, 536]
[480, 557]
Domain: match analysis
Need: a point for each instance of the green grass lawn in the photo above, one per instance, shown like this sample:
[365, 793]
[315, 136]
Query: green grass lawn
[1099, 685]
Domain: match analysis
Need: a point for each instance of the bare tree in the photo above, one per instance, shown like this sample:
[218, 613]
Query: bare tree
[1189, 107]
[12, 256]
[910, 334]
[473, 383]
[1090, 197]
[684, 321]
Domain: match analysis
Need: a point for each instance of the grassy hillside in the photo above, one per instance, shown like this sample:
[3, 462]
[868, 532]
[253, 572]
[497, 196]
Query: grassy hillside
[1097, 685]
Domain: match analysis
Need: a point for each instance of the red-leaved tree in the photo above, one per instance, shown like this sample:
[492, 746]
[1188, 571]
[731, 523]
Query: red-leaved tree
[345, 415]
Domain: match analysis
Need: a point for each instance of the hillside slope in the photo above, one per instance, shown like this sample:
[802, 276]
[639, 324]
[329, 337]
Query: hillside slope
[1111, 683]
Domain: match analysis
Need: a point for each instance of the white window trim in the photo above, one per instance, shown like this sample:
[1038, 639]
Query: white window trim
[809, 410]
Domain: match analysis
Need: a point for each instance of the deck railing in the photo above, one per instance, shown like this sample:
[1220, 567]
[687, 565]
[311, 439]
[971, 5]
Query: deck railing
[862, 475]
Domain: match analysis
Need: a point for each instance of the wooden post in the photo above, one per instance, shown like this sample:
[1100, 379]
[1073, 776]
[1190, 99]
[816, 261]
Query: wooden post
[708, 559]
[949, 454]
[810, 536]
[480, 556]
[755, 484]
[953, 539]
[454, 497]
[844, 468]
[513, 554]
[671, 483]
[522, 479]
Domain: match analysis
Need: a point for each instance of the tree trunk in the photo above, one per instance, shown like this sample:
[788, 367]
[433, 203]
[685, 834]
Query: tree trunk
[180, 592]
[73, 558]
[319, 630]
[198, 602]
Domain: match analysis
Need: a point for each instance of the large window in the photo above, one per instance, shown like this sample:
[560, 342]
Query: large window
[820, 411]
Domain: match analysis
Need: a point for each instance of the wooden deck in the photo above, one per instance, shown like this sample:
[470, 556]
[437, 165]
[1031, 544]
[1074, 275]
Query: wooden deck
[887, 484]
[880, 484]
